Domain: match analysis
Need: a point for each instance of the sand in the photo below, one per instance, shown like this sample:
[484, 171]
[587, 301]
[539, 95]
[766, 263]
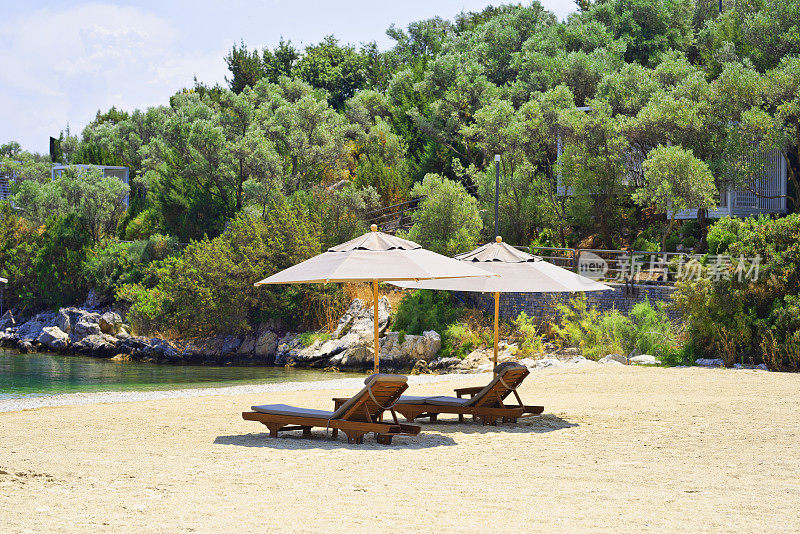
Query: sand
[618, 449]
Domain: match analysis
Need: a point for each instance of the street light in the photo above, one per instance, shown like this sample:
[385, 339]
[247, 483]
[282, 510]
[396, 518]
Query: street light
[496, 195]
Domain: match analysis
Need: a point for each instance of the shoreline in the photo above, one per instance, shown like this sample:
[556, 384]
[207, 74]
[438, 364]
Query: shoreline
[112, 397]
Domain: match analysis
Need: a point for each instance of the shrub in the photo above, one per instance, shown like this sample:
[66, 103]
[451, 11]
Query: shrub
[459, 340]
[423, 310]
[528, 334]
[741, 319]
[209, 289]
[646, 330]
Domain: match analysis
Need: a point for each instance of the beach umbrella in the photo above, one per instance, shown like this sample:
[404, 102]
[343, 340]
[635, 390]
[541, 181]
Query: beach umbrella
[375, 257]
[518, 272]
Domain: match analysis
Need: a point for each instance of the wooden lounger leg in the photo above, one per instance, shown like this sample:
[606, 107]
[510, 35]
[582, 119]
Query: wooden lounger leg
[334, 432]
[433, 417]
[306, 431]
[489, 420]
[273, 429]
[354, 436]
[461, 418]
[384, 439]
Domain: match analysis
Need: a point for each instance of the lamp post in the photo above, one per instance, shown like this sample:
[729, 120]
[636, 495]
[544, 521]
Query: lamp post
[497, 195]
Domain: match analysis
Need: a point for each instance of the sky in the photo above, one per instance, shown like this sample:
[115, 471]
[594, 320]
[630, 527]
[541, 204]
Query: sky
[61, 61]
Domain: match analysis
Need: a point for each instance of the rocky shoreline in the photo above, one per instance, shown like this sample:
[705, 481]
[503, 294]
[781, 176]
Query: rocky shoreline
[104, 334]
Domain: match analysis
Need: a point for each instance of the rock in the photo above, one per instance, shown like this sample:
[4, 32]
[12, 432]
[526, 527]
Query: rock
[444, 363]
[421, 368]
[7, 320]
[25, 347]
[570, 351]
[359, 319]
[248, 346]
[31, 330]
[97, 345]
[63, 322]
[645, 359]
[86, 326]
[229, 345]
[484, 368]
[619, 358]
[162, 349]
[53, 338]
[110, 323]
[475, 358]
[412, 348]
[92, 301]
[266, 344]
[288, 347]
[121, 357]
[710, 362]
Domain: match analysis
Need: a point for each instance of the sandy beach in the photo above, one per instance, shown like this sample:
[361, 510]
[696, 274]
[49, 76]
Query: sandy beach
[618, 449]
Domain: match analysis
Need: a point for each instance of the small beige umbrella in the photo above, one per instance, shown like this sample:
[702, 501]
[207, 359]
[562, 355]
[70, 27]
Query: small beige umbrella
[518, 272]
[375, 257]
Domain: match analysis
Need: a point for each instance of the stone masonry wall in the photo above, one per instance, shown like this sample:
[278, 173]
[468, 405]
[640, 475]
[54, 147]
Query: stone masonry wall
[543, 305]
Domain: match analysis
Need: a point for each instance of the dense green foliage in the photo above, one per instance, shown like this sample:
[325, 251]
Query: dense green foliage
[741, 320]
[633, 107]
[646, 330]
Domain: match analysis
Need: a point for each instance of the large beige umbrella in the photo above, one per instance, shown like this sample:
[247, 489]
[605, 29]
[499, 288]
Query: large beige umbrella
[375, 257]
[518, 272]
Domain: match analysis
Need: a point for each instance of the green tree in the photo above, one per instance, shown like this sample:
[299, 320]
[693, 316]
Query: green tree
[447, 220]
[675, 180]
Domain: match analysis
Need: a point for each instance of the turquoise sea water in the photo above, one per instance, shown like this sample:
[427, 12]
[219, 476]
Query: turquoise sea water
[23, 375]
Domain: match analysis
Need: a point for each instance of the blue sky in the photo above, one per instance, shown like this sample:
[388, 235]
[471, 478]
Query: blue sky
[62, 61]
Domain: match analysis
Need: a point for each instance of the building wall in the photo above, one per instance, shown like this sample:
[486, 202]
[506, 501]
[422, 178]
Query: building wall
[542, 306]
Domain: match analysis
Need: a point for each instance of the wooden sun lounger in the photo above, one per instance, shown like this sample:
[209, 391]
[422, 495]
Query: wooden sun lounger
[356, 416]
[485, 404]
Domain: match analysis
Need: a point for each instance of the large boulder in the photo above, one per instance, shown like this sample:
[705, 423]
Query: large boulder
[87, 325]
[78, 323]
[53, 338]
[31, 330]
[322, 353]
[266, 344]
[110, 323]
[614, 358]
[289, 346]
[403, 351]
[101, 345]
[359, 316]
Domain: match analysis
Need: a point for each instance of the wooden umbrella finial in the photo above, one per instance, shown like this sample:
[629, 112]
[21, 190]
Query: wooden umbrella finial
[374, 227]
[498, 239]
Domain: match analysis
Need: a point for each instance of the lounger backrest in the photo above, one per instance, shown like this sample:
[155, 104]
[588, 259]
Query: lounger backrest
[509, 376]
[385, 388]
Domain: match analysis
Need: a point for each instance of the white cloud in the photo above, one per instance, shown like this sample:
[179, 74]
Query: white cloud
[61, 66]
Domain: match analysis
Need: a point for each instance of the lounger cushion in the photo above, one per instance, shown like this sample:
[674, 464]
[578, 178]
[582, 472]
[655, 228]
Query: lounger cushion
[283, 409]
[412, 399]
[446, 401]
[384, 377]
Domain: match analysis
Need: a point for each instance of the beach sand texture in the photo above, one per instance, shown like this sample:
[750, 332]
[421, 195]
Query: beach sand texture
[618, 449]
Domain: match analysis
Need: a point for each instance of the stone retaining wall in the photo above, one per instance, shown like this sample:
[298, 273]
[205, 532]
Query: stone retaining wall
[542, 305]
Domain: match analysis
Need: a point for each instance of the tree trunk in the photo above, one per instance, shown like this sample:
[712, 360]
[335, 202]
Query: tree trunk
[702, 220]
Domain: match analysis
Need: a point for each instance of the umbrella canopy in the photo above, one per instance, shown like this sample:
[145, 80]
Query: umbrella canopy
[375, 257]
[519, 272]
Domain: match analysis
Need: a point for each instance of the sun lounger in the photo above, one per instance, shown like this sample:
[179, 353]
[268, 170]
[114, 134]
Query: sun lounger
[356, 416]
[486, 403]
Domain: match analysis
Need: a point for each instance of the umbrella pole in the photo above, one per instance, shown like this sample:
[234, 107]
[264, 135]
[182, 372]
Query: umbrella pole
[376, 320]
[496, 325]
